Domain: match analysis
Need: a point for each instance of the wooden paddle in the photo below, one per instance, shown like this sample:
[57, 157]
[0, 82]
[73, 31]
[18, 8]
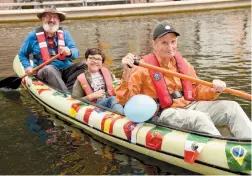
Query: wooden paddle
[185, 77]
[14, 82]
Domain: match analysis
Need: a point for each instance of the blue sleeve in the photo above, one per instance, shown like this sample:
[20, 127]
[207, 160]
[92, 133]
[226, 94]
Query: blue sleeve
[71, 45]
[25, 50]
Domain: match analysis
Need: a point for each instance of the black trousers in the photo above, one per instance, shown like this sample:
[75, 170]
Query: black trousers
[62, 79]
[69, 74]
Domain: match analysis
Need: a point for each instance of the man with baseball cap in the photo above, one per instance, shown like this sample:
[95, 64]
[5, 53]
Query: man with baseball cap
[47, 41]
[183, 104]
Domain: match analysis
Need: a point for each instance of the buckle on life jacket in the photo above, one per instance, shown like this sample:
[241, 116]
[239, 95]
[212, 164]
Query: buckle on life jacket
[37, 56]
[177, 94]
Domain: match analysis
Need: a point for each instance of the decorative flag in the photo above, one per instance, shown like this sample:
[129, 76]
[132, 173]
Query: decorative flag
[71, 99]
[40, 90]
[38, 83]
[108, 122]
[154, 137]
[63, 95]
[87, 114]
[193, 146]
[238, 156]
[75, 107]
[40, 87]
[128, 128]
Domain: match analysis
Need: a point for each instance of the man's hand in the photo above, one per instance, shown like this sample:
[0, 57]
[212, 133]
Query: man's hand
[29, 71]
[65, 51]
[218, 86]
[128, 61]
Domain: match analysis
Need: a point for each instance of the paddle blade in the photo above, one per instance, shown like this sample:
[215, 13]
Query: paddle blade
[10, 82]
[140, 108]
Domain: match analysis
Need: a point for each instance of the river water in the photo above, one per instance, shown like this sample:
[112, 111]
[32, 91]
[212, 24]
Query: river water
[216, 43]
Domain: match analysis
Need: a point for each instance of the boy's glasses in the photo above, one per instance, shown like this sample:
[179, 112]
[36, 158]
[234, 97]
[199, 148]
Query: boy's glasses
[95, 59]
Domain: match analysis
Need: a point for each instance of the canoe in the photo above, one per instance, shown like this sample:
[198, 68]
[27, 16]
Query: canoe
[213, 155]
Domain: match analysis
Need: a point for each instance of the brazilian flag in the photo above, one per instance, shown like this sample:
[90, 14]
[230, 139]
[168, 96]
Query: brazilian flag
[238, 156]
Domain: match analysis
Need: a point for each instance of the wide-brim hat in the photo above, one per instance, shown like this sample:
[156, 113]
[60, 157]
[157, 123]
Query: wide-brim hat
[62, 15]
[163, 29]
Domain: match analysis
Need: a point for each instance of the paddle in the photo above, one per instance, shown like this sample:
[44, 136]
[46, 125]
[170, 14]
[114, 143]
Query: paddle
[140, 108]
[185, 77]
[14, 82]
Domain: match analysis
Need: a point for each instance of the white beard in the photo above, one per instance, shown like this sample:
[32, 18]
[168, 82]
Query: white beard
[50, 28]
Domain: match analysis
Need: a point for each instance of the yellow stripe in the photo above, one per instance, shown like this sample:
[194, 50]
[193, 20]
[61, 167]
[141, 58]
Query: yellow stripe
[107, 125]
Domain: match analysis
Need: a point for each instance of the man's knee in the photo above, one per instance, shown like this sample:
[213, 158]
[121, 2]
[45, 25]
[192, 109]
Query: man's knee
[188, 119]
[229, 107]
[49, 69]
[197, 117]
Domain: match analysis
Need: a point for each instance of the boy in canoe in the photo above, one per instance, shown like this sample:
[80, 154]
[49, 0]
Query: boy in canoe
[183, 104]
[46, 42]
[96, 83]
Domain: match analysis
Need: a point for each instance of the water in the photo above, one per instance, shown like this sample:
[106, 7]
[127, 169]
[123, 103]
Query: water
[216, 43]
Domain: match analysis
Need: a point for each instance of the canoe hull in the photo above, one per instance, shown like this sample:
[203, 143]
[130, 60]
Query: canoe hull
[165, 144]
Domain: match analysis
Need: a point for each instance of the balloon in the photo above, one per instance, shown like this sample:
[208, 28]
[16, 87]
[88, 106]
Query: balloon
[140, 108]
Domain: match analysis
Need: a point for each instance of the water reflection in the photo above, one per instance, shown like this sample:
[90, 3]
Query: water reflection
[83, 155]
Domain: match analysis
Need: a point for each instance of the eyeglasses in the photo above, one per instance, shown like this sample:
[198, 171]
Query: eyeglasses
[49, 16]
[95, 59]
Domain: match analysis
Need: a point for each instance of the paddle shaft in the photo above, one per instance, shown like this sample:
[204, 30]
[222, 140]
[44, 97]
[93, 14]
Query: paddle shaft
[185, 77]
[43, 64]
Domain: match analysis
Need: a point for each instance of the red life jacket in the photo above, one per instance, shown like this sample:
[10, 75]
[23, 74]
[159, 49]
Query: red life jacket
[40, 34]
[107, 78]
[163, 94]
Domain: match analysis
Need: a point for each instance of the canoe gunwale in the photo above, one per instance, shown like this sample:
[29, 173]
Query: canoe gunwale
[46, 105]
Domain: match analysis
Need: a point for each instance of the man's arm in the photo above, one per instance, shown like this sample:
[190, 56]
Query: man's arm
[24, 51]
[71, 45]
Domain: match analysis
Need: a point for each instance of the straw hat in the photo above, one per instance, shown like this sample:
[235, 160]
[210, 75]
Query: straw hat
[62, 15]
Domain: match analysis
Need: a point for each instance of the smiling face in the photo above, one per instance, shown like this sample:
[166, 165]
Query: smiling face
[51, 22]
[165, 47]
[94, 63]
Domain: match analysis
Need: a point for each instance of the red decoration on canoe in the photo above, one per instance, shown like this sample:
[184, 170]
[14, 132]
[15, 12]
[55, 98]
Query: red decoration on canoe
[87, 114]
[38, 83]
[76, 107]
[107, 118]
[128, 128]
[154, 138]
[42, 90]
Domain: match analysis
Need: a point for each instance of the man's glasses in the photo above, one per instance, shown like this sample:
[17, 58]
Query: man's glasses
[95, 59]
[49, 16]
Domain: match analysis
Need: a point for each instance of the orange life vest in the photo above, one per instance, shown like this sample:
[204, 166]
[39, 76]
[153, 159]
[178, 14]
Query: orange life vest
[163, 94]
[107, 78]
[40, 34]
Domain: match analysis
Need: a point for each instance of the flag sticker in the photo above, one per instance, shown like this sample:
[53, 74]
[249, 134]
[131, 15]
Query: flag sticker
[239, 153]
[154, 137]
[238, 156]
[193, 146]
[75, 107]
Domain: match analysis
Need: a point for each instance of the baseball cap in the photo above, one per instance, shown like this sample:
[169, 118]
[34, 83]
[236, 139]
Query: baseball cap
[163, 29]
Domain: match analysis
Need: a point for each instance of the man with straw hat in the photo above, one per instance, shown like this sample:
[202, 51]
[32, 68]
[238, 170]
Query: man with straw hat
[47, 41]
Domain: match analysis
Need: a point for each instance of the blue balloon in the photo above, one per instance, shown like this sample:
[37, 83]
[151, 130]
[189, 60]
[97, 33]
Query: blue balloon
[140, 108]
